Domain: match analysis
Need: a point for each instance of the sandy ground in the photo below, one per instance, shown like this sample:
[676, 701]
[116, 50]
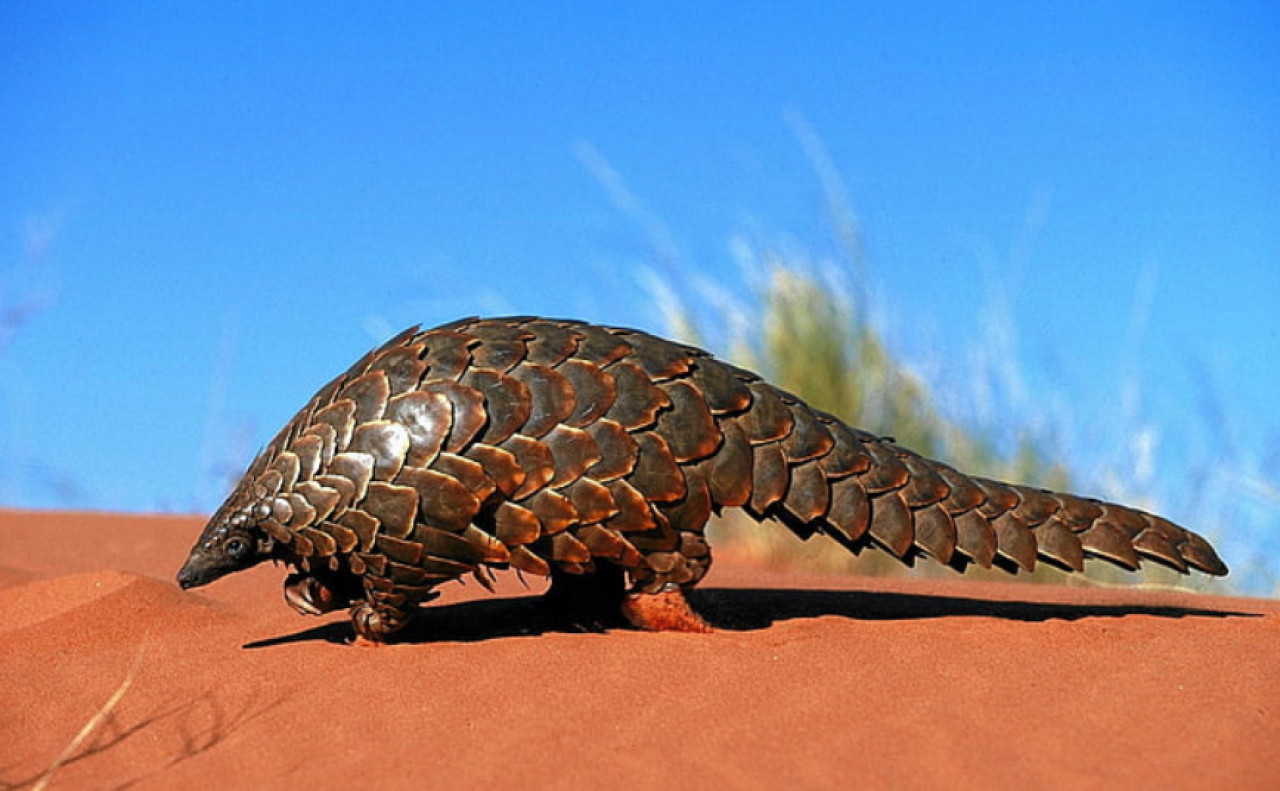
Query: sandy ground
[810, 682]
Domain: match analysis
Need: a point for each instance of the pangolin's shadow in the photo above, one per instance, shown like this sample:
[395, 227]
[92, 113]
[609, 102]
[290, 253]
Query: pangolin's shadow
[735, 609]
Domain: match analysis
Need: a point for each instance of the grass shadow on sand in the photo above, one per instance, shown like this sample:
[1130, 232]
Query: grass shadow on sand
[734, 609]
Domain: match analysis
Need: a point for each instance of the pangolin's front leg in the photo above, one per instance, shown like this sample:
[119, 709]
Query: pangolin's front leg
[376, 621]
[375, 618]
[308, 595]
[386, 608]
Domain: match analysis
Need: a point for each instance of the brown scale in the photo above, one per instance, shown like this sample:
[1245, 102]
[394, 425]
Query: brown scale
[597, 455]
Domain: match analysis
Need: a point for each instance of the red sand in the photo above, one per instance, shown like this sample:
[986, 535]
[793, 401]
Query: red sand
[813, 683]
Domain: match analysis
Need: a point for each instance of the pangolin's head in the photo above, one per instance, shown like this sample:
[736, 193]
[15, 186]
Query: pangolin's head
[232, 541]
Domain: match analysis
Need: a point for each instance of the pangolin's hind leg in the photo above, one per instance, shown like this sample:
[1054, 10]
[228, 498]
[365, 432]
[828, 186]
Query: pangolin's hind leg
[656, 601]
[595, 599]
[667, 610]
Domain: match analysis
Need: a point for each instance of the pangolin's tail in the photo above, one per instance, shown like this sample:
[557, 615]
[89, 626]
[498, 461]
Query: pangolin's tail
[816, 474]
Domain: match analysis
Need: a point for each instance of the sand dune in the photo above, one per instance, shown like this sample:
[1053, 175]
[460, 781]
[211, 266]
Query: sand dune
[811, 682]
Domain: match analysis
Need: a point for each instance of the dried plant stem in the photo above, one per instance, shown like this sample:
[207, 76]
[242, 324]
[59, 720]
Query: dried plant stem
[92, 725]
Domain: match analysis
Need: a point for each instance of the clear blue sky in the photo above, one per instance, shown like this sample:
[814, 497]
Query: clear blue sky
[209, 210]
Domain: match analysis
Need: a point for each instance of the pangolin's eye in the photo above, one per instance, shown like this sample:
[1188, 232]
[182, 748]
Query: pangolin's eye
[237, 548]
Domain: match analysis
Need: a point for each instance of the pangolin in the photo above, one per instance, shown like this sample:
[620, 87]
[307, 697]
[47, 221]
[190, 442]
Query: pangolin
[597, 454]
